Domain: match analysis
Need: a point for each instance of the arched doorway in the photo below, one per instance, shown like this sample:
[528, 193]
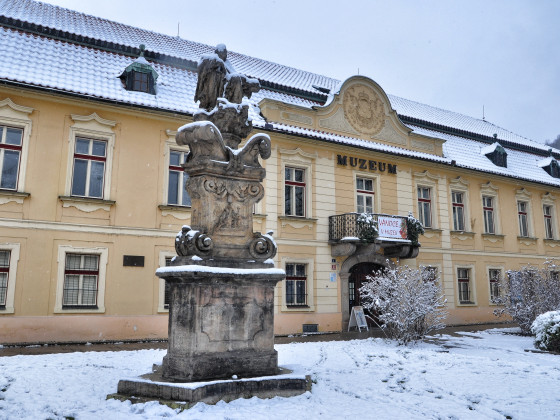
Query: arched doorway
[358, 276]
[352, 273]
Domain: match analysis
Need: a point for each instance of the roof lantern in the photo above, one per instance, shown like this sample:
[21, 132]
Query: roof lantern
[496, 153]
[140, 76]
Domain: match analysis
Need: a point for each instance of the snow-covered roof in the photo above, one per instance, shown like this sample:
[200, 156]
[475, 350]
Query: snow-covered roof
[50, 47]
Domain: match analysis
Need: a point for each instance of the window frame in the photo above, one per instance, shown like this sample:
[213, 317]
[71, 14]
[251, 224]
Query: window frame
[296, 280]
[292, 185]
[366, 193]
[491, 191]
[459, 221]
[103, 254]
[296, 158]
[181, 192]
[493, 284]
[549, 225]
[421, 208]
[310, 286]
[96, 128]
[470, 269]
[14, 250]
[89, 158]
[17, 116]
[489, 210]
[163, 256]
[523, 218]
[81, 273]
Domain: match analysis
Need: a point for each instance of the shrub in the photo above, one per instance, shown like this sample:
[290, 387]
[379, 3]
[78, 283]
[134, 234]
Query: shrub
[367, 227]
[414, 228]
[410, 302]
[528, 293]
[546, 329]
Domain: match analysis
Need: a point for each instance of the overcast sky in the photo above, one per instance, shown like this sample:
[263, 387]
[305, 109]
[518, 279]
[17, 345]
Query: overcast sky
[457, 55]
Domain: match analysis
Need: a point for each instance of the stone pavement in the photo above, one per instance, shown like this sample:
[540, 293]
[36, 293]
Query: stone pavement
[11, 350]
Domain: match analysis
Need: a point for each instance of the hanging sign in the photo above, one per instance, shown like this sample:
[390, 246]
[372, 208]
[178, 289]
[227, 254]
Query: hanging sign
[391, 227]
[358, 319]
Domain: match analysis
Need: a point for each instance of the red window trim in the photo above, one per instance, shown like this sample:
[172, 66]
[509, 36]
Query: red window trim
[10, 146]
[84, 272]
[90, 157]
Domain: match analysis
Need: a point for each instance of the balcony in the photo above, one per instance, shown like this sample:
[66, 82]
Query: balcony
[393, 238]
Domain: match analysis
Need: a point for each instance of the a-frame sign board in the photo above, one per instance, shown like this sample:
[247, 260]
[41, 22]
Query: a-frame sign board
[358, 319]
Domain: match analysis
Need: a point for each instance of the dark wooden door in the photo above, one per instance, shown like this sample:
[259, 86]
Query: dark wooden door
[358, 276]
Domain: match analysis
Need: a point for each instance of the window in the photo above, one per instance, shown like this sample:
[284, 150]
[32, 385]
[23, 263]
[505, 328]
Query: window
[365, 195]
[15, 130]
[81, 279]
[9, 257]
[140, 76]
[89, 167]
[296, 284]
[140, 81]
[11, 141]
[167, 289]
[425, 206]
[4, 276]
[294, 199]
[458, 210]
[464, 285]
[430, 274]
[494, 275]
[497, 154]
[522, 214]
[488, 208]
[81, 275]
[176, 192]
[548, 226]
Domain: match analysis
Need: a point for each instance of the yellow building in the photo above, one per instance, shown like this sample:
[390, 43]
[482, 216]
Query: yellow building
[91, 187]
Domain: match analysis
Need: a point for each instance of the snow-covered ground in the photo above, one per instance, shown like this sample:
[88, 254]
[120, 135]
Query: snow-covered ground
[485, 375]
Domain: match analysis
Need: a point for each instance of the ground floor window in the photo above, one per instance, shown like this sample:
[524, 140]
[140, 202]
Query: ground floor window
[4, 273]
[81, 279]
[296, 284]
[464, 285]
[494, 276]
[81, 276]
[167, 289]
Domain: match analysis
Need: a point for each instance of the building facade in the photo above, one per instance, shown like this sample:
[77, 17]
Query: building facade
[92, 188]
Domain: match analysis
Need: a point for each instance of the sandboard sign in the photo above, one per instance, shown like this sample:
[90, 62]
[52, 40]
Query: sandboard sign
[358, 319]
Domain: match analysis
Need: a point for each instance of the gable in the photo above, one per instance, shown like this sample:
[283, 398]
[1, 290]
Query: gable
[358, 108]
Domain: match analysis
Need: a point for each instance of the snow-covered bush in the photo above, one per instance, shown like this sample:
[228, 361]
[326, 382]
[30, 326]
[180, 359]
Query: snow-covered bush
[367, 227]
[529, 292]
[414, 228]
[546, 329]
[409, 302]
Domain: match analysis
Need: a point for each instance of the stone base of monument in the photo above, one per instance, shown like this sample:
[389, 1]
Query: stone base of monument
[153, 387]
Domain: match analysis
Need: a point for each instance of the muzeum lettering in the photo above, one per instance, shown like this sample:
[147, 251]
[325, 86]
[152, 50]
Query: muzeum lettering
[366, 164]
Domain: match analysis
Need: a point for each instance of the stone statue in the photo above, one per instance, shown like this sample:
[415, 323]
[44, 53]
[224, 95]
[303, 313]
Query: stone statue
[222, 281]
[211, 78]
[220, 91]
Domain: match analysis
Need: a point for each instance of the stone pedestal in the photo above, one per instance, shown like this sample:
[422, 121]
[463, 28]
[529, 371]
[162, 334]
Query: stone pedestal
[221, 322]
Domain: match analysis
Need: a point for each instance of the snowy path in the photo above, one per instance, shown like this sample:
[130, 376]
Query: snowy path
[485, 375]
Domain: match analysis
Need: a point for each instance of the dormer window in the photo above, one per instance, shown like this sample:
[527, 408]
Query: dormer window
[551, 166]
[497, 154]
[140, 75]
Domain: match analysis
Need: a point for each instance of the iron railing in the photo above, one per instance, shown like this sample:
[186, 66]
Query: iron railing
[346, 225]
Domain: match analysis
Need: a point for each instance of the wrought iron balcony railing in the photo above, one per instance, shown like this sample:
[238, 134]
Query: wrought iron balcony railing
[346, 226]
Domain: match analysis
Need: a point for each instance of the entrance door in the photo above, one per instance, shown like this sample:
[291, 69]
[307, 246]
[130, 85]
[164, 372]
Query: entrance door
[358, 276]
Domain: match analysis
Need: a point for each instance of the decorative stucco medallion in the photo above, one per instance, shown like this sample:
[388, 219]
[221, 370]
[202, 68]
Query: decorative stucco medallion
[363, 109]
